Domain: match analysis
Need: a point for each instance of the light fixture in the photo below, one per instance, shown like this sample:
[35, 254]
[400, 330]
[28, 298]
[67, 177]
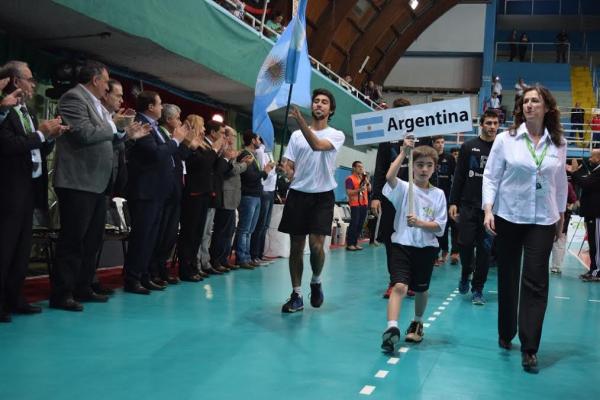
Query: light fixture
[413, 4]
[218, 118]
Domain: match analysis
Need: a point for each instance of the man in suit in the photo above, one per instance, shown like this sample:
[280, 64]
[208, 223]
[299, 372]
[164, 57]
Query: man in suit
[169, 220]
[151, 181]
[231, 184]
[24, 145]
[84, 161]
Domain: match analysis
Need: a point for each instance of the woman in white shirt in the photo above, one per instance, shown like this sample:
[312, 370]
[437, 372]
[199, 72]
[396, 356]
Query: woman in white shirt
[524, 199]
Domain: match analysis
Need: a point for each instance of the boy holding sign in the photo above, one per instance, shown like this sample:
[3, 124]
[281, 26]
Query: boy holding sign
[420, 217]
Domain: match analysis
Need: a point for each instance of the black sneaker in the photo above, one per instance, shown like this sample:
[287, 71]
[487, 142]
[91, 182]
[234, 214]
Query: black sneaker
[389, 339]
[293, 304]
[414, 333]
[316, 295]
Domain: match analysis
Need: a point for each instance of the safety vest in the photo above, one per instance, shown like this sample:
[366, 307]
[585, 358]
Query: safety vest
[358, 199]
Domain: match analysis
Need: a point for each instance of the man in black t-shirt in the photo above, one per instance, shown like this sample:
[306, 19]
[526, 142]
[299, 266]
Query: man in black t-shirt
[465, 197]
[442, 178]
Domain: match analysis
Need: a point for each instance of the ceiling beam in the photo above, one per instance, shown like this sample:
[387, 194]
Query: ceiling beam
[327, 26]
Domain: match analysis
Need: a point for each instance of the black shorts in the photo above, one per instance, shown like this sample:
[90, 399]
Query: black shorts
[306, 213]
[412, 266]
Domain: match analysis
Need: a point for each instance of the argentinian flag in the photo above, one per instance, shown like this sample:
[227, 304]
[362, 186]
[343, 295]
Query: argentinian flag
[287, 64]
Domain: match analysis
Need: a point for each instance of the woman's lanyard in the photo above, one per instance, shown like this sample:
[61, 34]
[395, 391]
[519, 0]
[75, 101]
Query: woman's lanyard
[539, 184]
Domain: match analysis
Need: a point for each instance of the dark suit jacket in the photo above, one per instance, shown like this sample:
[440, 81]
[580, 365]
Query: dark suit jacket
[16, 165]
[150, 166]
[590, 192]
[201, 166]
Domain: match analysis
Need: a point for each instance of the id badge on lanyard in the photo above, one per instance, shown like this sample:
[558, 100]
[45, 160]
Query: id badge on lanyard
[541, 184]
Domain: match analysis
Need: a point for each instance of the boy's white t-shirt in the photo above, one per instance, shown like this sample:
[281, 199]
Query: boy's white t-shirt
[314, 170]
[430, 205]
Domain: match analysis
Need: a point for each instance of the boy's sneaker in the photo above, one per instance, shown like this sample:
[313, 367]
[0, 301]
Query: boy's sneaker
[414, 333]
[463, 286]
[555, 270]
[389, 339]
[316, 295]
[478, 299]
[293, 304]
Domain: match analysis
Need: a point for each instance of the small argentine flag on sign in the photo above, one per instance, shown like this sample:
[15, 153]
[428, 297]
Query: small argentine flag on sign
[368, 128]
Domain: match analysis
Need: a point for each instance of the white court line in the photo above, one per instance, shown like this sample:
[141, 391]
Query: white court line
[427, 324]
[445, 303]
[436, 313]
[453, 295]
[441, 308]
[404, 349]
[393, 360]
[367, 390]
[492, 291]
[594, 301]
[456, 291]
[449, 299]
[562, 298]
[431, 319]
[381, 374]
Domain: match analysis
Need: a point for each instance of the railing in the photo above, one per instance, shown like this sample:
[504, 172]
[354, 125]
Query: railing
[533, 52]
[260, 28]
[533, 2]
[595, 71]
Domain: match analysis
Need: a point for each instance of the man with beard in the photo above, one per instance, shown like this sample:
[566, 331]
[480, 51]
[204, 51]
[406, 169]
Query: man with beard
[466, 198]
[310, 159]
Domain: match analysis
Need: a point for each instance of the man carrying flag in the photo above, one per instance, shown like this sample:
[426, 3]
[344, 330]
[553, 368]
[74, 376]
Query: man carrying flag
[309, 161]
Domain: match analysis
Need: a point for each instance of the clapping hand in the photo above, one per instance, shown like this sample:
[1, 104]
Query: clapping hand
[11, 99]
[123, 118]
[137, 130]
[52, 128]
[574, 166]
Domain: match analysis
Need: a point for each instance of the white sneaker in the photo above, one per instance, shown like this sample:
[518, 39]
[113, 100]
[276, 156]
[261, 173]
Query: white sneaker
[555, 270]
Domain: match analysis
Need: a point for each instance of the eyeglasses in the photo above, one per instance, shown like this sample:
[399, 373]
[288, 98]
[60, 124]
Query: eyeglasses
[30, 80]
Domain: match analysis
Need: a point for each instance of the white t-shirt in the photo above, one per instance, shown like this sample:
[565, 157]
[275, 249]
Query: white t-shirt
[430, 205]
[314, 170]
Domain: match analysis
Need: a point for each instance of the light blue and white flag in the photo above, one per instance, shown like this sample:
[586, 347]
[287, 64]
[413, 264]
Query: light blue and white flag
[286, 64]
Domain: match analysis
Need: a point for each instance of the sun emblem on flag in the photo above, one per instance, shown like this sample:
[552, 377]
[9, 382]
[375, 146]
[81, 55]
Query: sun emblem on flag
[271, 75]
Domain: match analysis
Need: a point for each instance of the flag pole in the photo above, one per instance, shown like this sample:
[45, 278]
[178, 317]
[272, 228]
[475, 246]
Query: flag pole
[285, 124]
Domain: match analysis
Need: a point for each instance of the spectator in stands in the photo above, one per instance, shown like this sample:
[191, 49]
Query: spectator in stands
[372, 91]
[523, 44]
[24, 146]
[497, 88]
[249, 209]
[520, 86]
[494, 102]
[577, 119]
[595, 127]
[562, 46]
[274, 24]
[358, 187]
[589, 182]
[513, 39]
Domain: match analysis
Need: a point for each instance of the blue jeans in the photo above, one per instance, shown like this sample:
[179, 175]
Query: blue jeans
[357, 219]
[249, 211]
[257, 243]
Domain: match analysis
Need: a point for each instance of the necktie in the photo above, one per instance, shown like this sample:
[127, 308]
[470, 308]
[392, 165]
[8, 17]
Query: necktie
[36, 156]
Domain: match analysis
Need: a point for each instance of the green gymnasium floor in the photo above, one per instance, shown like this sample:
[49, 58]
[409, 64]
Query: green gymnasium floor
[225, 338]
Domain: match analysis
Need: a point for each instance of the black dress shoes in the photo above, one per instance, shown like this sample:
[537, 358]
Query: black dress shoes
[506, 345]
[27, 309]
[202, 274]
[529, 362]
[135, 288]
[91, 297]
[160, 282]
[99, 289]
[191, 278]
[148, 284]
[212, 271]
[68, 304]
[171, 280]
